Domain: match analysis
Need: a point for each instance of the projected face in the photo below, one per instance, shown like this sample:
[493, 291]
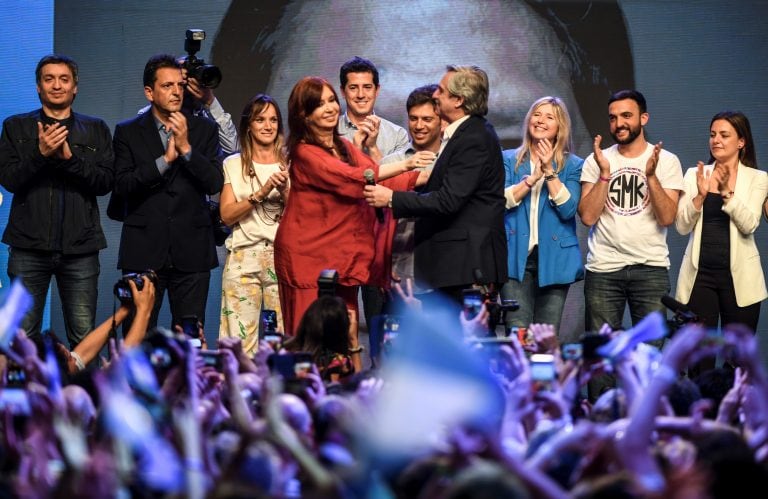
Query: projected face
[411, 43]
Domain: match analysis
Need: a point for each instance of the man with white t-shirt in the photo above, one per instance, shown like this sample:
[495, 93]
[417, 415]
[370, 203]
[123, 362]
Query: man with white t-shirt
[629, 197]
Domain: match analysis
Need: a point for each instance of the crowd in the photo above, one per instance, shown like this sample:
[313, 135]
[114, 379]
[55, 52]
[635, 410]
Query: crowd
[413, 219]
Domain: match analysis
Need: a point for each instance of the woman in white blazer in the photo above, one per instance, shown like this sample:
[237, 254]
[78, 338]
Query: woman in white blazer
[720, 276]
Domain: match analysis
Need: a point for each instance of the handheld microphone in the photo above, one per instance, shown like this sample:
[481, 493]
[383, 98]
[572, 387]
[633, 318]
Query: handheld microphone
[370, 180]
[681, 311]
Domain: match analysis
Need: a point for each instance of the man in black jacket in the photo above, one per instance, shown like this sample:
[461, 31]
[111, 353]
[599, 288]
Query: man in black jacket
[460, 212]
[55, 162]
[166, 162]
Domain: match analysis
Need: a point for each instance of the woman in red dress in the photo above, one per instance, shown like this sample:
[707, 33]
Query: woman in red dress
[327, 223]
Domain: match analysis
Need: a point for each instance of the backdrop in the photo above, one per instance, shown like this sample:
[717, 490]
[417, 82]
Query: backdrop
[690, 60]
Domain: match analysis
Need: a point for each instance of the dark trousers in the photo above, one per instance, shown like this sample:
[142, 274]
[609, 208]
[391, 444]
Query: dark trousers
[77, 279]
[713, 299]
[187, 294]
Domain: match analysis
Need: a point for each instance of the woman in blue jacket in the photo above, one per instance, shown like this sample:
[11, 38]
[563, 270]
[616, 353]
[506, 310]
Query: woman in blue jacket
[542, 191]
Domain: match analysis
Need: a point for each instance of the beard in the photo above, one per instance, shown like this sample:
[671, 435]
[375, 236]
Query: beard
[634, 132]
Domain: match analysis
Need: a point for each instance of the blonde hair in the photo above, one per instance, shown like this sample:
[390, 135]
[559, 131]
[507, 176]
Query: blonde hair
[562, 145]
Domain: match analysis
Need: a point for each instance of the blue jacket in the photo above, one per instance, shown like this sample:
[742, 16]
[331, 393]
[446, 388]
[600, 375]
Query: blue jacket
[559, 254]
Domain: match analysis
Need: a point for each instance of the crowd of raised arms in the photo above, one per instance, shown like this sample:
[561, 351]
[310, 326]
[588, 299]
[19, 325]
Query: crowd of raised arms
[441, 234]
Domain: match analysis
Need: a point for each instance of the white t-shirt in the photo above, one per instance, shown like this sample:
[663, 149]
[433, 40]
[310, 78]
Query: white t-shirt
[627, 232]
[256, 226]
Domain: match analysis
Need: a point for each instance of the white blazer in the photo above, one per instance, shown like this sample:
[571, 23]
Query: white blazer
[744, 210]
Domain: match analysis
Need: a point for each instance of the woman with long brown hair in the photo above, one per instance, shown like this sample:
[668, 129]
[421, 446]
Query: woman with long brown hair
[256, 188]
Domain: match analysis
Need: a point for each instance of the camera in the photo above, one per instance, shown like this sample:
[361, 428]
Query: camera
[326, 282]
[207, 75]
[123, 290]
[496, 306]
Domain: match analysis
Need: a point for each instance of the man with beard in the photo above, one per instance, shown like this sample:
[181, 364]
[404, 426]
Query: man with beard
[629, 197]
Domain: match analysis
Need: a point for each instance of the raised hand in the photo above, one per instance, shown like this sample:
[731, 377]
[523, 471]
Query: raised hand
[721, 176]
[180, 132]
[545, 152]
[602, 163]
[702, 179]
[653, 161]
[370, 127]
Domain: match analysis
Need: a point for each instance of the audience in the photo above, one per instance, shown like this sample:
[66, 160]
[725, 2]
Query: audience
[161, 419]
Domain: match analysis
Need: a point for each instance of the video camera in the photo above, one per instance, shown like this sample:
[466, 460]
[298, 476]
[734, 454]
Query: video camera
[207, 75]
[123, 290]
[495, 306]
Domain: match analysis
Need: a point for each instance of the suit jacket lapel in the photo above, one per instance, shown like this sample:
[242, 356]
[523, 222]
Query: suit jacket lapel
[150, 135]
[435, 178]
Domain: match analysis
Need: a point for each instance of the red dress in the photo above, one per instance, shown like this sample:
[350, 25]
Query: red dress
[326, 225]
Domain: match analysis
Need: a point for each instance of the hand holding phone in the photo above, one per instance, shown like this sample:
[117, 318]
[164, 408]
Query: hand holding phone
[543, 373]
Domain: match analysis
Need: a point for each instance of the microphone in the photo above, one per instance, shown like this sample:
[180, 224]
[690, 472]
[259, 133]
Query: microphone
[682, 313]
[369, 180]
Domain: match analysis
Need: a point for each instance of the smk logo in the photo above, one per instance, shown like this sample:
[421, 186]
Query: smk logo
[627, 192]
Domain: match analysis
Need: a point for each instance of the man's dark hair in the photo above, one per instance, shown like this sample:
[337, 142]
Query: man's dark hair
[358, 65]
[56, 59]
[421, 95]
[156, 62]
[630, 94]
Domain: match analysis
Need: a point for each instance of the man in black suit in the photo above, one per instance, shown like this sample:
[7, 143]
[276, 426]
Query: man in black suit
[460, 225]
[165, 164]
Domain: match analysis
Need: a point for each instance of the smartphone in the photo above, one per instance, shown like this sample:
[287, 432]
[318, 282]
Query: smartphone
[473, 302]
[543, 373]
[267, 322]
[275, 341]
[14, 396]
[571, 351]
[211, 358]
[190, 325]
[291, 366]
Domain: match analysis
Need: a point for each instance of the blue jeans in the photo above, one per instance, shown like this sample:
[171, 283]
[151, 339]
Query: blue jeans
[606, 294]
[77, 279]
[538, 305]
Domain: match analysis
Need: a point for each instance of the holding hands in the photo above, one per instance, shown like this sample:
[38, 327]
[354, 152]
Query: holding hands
[421, 159]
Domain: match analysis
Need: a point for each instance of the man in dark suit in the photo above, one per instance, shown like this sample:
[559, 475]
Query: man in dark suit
[460, 226]
[165, 164]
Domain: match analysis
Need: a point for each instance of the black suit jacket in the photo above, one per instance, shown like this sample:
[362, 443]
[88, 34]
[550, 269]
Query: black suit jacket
[460, 225]
[166, 216]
